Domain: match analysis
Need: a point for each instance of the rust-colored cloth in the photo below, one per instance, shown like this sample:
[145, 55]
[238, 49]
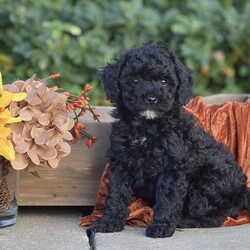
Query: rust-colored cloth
[229, 123]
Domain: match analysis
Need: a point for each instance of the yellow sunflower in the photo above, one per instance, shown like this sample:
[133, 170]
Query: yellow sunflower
[6, 147]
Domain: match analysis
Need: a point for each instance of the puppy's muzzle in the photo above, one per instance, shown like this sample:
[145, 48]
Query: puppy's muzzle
[151, 99]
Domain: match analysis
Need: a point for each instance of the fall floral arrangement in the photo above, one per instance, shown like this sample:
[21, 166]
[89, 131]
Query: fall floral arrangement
[6, 147]
[37, 123]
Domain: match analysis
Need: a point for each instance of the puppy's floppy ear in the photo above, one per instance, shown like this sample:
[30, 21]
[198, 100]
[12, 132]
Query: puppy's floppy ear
[185, 79]
[110, 77]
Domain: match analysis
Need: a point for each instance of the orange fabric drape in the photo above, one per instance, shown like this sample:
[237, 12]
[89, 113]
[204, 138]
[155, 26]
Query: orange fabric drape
[229, 123]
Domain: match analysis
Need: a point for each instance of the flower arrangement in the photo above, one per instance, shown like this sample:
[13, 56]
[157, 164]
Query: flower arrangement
[7, 152]
[6, 147]
[42, 122]
[36, 125]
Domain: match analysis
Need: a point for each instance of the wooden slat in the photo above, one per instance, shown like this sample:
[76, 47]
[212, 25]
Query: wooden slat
[222, 98]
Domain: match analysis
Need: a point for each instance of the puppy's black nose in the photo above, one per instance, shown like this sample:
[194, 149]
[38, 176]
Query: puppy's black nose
[151, 99]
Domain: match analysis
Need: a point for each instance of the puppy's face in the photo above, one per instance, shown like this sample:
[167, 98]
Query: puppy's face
[148, 81]
[148, 85]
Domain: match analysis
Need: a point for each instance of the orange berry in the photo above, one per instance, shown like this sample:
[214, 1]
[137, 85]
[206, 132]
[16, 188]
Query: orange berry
[78, 134]
[70, 107]
[55, 76]
[88, 87]
[89, 142]
[80, 126]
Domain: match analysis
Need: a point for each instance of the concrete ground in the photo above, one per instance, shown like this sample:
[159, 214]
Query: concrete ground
[52, 228]
[131, 238]
[45, 228]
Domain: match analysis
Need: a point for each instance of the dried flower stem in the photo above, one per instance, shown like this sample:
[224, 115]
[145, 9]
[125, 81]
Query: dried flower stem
[78, 105]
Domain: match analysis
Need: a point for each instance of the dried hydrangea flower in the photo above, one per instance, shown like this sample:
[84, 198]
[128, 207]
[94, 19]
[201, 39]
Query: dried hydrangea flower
[41, 137]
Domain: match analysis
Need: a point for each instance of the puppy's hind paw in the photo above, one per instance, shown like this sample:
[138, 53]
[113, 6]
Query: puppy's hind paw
[159, 231]
[106, 226]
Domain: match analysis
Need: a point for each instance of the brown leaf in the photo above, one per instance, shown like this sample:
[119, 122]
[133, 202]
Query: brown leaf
[25, 114]
[33, 99]
[33, 168]
[46, 153]
[67, 136]
[26, 131]
[60, 110]
[33, 131]
[14, 108]
[40, 136]
[53, 142]
[11, 88]
[44, 119]
[53, 163]
[21, 146]
[59, 120]
[32, 153]
[16, 128]
[34, 173]
[28, 82]
[21, 162]
[70, 124]
[41, 89]
[53, 137]
[61, 99]
[19, 84]
[49, 99]
[63, 147]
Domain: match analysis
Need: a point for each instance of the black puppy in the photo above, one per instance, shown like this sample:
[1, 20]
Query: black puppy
[158, 153]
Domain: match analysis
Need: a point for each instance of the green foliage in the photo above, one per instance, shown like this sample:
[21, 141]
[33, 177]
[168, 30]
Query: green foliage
[77, 37]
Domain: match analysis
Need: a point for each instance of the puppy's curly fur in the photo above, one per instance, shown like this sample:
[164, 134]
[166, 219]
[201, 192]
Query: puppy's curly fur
[158, 153]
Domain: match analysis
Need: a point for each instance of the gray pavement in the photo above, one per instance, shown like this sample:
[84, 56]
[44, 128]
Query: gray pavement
[223, 238]
[52, 228]
[45, 228]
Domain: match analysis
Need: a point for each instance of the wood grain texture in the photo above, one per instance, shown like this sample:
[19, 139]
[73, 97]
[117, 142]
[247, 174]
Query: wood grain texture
[75, 181]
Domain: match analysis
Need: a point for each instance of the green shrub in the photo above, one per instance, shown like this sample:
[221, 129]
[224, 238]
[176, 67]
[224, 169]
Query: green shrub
[77, 38]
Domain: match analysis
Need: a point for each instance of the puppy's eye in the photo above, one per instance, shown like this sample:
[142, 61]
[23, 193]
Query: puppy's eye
[163, 82]
[135, 82]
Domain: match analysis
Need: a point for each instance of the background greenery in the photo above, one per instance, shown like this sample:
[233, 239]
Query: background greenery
[76, 38]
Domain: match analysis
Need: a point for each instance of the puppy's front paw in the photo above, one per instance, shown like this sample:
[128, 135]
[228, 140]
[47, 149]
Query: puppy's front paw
[107, 226]
[159, 230]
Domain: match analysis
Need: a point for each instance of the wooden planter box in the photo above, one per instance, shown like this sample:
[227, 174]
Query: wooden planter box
[76, 180]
